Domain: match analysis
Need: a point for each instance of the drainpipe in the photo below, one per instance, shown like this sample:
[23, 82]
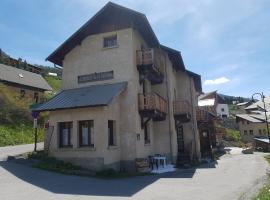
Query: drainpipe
[192, 113]
[168, 107]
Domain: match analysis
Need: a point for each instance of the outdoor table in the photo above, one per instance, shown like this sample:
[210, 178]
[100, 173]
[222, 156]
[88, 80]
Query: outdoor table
[159, 159]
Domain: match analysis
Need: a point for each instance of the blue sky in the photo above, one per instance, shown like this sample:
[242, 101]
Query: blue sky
[226, 41]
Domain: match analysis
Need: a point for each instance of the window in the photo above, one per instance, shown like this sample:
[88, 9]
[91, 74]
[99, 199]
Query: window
[36, 97]
[86, 133]
[95, 77]
[247, 122]
[264, 131]
[245, 132]
[146, 134]
[65, 130]
[260, 131]
[222, 110]
[250, 132]
[22, 93]
[110, 41]
[111, 133]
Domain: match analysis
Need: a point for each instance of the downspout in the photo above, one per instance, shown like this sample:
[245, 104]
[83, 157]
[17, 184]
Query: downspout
[192, 113]
[168, 107]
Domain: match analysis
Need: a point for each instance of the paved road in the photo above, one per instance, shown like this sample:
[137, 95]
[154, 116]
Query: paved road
[18, 149]
[227, 180]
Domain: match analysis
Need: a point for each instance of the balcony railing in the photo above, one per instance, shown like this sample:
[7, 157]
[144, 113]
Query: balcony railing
[181, 107]
[202, 115]
[152, 102]
[182, 110]
[151, 59]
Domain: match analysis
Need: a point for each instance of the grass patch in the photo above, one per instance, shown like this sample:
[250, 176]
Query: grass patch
[264, 193]
[55, 165]
[267, 158]
[14, 134]
[55, 83]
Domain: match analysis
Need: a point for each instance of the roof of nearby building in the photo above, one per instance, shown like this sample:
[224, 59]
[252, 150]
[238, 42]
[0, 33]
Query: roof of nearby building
[254, 117]
[260, 104]
[243, 103]
[206, 102]
[22, 77]
[120, 17]
[91, 96]
[212, 95]
[266, 140]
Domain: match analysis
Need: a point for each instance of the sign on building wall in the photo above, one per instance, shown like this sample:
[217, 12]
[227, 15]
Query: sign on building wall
[95, 77]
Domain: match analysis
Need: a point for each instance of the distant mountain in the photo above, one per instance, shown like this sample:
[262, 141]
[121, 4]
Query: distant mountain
[231, 99]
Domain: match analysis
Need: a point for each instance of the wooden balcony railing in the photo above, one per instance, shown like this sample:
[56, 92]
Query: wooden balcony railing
[152, 102]
[181, 107]
[202, 115]
[151, 57]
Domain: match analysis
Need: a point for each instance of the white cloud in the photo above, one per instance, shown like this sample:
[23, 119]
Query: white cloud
[216, 81]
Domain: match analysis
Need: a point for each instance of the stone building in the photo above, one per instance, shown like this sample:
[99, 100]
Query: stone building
[124, 96]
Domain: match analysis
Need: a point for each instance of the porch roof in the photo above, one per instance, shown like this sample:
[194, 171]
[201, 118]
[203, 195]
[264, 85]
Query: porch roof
[91, 96]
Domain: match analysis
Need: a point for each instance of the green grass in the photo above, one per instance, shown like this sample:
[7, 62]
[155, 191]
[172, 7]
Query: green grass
[267, 158]
[264, 193]
[54, 82]
[55, 165]
[14, 134]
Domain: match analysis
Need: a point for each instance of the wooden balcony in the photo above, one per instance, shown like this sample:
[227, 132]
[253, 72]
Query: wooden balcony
[153, 106]
[151, 62]
[182, 110]
[202, 115]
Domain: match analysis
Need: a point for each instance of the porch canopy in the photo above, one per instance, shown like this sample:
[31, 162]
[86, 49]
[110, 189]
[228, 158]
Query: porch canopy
[90, 96]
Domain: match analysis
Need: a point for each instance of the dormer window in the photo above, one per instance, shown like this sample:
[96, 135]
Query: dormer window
[110, 41]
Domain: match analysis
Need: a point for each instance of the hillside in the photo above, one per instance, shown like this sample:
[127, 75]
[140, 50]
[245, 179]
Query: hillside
[15, 119]
[55, 82]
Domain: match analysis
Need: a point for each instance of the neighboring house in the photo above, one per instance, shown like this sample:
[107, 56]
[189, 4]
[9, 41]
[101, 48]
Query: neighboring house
[258, 106]
[253, 123]
[215, 103]
[124, 96]
[25, 83]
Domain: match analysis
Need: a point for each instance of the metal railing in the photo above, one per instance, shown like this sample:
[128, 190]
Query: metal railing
[151, 102]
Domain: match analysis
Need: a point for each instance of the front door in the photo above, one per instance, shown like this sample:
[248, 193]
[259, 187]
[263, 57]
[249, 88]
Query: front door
[180, 137]
[205, 142]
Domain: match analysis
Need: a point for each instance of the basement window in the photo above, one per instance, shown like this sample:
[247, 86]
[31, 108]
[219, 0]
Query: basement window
[250, 132]
[110, 41]
[245, 132]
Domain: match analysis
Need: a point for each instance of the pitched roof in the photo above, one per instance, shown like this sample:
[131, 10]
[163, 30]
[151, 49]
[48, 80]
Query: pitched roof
[260, 104]
[22, 77]
[248, 118]
[118, 17]
[94, 95]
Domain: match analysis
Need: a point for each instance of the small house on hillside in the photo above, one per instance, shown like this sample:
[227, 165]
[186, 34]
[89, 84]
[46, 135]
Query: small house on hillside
[214, 102]
[25, 83]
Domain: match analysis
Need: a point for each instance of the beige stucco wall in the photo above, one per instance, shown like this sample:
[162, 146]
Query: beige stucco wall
[90, 57]
[244, 125]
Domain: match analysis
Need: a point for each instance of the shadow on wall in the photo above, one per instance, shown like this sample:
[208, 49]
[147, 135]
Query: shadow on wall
[67, 184]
